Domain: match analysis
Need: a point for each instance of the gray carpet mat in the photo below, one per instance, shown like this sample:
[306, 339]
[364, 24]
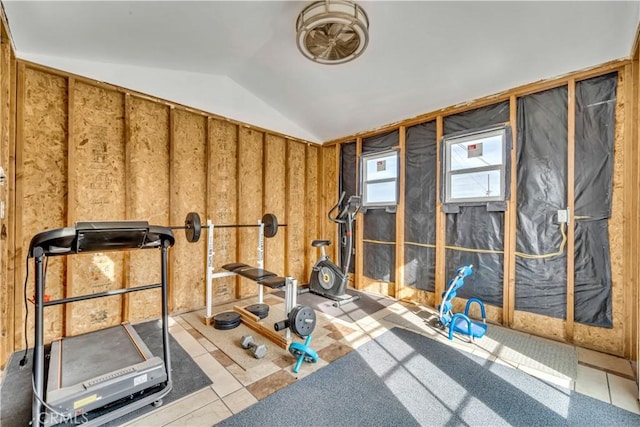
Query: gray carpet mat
[16, 391]
[403, 378]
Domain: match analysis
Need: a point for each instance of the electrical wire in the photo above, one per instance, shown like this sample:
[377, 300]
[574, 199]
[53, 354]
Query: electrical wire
[560, 250]
[25, 358]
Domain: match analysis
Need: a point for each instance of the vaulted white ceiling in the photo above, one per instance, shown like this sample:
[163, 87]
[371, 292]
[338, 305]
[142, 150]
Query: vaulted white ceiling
[239, 58]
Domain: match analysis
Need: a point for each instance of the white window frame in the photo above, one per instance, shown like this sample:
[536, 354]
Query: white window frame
[364, 179]
[449, 142]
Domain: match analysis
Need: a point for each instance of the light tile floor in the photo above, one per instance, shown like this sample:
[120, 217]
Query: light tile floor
[236, 387]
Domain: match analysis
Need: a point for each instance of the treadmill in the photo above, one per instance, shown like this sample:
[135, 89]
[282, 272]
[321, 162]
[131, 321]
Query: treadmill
[99, 376]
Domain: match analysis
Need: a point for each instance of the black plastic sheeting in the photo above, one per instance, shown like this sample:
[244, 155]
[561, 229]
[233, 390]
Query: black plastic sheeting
[420, 206]
[541, 185]
[379, 259]
[475, 235]
[348, 184]
[594, 142]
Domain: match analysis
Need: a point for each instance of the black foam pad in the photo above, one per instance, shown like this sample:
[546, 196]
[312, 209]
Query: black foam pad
[255, 274]
[234, 266]
[274, 282]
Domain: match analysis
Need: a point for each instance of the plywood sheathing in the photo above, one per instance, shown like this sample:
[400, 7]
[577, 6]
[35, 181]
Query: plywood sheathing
[99, 183]
[147, 145]
[250, 152]
[549, 327]
[42, 184]
[188, 194]
[274, 200]
[223, 159]
[329, 175]
[295, 209]
[312, 213]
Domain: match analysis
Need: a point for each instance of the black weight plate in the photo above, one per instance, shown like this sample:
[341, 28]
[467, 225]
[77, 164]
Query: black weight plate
[260, 310]
[226, 318]
[193, 227]
[226, 327]
[302, 320]
[270, 222]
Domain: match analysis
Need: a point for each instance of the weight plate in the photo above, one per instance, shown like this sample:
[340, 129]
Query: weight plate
[302, 320]
[270, 222]
[193, 227]
[226, 318]
[226, 327]
[260, 310]
[326, 278]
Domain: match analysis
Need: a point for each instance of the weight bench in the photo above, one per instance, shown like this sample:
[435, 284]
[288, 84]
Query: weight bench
[252, 273]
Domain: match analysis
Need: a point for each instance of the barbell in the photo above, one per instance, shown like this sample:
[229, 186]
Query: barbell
[193, 226]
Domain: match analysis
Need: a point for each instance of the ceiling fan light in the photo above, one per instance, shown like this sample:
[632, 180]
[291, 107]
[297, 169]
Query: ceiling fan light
[342, 28]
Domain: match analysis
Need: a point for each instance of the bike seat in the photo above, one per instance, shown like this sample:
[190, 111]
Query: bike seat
[318, 243]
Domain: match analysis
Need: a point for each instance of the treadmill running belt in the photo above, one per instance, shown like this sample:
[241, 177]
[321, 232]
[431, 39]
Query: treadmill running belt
[97, 353]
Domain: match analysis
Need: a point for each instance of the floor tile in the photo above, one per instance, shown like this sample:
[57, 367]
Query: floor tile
[593, 383]
[239, 400]
[334, 351]
[188, 342]
[222, 358]
[605, 362]
[177, 409]
[206, 416]
[624, 393]
[223, 382]
[269, 385]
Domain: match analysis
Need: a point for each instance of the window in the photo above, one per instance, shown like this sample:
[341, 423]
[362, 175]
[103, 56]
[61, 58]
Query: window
[475, 167]
[379, 179]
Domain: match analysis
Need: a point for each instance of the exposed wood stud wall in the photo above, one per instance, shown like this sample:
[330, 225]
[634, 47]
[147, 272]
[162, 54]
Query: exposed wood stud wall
[510, 223]
[620, 340]
[440, 222]
[274, 200]
[359, 249]
[223, 205]
[571, 155]
[91, 151]
[399, 276]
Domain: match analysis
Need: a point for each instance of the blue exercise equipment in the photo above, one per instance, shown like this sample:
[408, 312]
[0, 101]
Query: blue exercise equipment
[460, 322]
[303, 353]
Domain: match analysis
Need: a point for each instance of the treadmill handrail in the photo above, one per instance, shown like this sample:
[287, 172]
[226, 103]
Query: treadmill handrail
[101, 294]
[122, 235]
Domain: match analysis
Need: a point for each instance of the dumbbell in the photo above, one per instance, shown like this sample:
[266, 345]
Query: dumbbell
[258, 350]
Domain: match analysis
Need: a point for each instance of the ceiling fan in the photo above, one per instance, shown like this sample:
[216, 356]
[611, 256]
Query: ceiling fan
[332, 31]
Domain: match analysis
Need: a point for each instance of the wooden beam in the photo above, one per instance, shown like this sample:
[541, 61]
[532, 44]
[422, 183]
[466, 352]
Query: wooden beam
[630, 215]
[510, 221]
[253, 322]
[571, 156]
[129, 204]
[400, 214]
[20, 253]
[172, 183]
[440, 219]
[72, 190]
[359, 261]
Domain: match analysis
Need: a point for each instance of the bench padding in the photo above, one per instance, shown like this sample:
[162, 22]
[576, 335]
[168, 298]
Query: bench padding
[235, 266]
[274, 282]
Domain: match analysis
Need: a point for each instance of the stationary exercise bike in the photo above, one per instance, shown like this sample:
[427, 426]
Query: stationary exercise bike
[327, 279]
